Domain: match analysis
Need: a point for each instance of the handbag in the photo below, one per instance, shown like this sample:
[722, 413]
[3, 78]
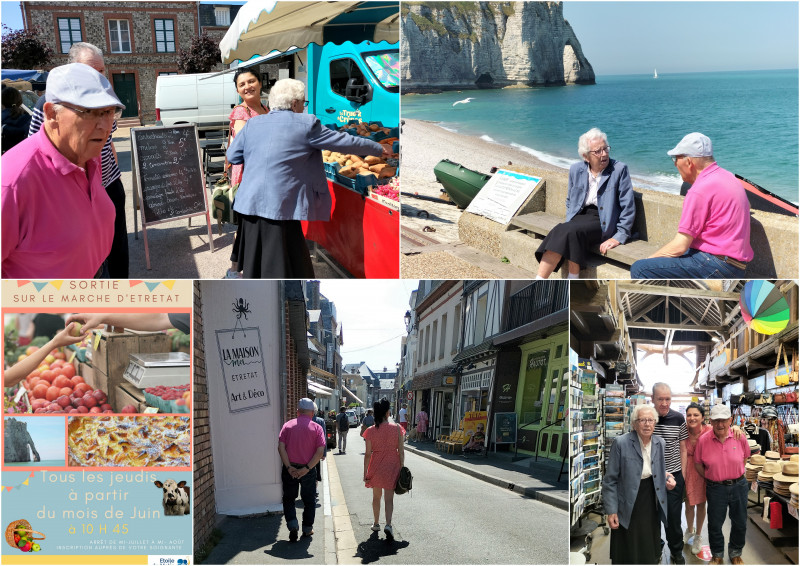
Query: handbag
[222, 197]
[404, 481]
[750, 398]
[791, 397]
[779, 398]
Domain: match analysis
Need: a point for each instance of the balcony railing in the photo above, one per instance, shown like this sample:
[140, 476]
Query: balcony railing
[535, 301]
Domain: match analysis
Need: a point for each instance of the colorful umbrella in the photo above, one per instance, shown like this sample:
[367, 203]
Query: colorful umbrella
[764, 307]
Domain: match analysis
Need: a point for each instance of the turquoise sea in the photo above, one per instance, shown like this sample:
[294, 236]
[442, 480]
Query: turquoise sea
[42, 464]
[750, 116]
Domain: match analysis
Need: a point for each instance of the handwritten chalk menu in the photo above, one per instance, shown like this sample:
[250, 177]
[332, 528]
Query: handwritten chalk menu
[169, 172]
[243, 370]
[502, 195]
[168, 177]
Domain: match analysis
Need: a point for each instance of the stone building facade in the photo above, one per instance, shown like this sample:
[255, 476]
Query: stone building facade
[140, 40]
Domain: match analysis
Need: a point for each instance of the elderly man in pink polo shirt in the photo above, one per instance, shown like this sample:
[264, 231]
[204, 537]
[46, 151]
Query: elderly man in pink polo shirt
[57, 220]
[720, 459]
[301, 445]
[713, 239]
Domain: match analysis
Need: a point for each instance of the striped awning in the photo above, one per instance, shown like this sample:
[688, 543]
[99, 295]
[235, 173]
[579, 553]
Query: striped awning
[353, 395]
[319, 389]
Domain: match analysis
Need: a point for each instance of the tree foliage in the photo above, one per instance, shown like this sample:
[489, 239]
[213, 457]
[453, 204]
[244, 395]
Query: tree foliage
[24, 49]
[201, 57]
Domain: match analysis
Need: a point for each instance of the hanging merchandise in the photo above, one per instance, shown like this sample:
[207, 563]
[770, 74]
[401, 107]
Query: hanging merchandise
[764, 308]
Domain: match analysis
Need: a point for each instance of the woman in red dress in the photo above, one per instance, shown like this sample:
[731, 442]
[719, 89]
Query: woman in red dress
[695, 485]
[382, 462]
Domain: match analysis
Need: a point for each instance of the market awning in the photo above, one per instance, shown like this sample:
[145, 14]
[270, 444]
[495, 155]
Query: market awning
[263, 27]
[319, 389]
[353, 395]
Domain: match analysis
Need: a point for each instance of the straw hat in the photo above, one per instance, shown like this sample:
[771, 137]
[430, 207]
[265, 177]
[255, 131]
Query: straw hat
[756, 462]
[753, 445]
[795, 458]
[772, 455]
[789, 473]
[769, 470]
[794, 489]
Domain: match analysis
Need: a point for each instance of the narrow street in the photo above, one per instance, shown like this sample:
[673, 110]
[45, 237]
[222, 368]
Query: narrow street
[449, 518]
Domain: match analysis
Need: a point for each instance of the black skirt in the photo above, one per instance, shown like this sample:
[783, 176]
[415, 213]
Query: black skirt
[640, 543]
[272, 249]
[572, 239]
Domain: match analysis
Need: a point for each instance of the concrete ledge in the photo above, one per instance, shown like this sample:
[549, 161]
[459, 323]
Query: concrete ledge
[533, 493]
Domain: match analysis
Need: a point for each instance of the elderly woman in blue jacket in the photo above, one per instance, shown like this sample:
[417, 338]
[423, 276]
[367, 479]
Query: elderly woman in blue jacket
[284, 183]
[635, 491]
[600, 209]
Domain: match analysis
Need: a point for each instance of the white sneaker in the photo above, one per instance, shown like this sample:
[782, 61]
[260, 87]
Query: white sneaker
[389, 532]
[697, 544]
[687, 537]
[376, 527]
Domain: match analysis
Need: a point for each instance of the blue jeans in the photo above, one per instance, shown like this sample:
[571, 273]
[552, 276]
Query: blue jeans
[730, 499]
[307, 486]
[694, 264]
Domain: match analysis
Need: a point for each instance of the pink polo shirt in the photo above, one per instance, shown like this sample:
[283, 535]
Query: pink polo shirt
[56, 222]
[302, 437]
[716, 214]
[721, 461]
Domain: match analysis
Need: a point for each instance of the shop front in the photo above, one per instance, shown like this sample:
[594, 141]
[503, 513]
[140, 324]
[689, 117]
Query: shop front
[434, 391]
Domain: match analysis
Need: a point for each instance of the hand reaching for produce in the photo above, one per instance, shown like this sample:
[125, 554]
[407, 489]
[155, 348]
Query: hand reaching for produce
[134, 321]
[387, 152]
[22, 368]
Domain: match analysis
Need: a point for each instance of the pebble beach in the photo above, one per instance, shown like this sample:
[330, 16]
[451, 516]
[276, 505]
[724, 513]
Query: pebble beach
[424, 144]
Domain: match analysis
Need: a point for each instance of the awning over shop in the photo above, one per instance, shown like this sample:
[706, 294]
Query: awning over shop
[530, 330]
[319, 389]
[353, 395]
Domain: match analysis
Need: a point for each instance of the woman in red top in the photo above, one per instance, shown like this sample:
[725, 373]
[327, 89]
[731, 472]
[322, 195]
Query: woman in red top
[695, 485]
[248, 85]
[382, 462]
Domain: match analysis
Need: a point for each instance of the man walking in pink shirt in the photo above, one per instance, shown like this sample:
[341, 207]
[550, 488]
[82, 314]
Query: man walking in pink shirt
[720, 458]
[301, 445]
[713, 239]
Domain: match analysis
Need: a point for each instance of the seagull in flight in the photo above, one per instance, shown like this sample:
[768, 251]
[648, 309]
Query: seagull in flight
[465, 101]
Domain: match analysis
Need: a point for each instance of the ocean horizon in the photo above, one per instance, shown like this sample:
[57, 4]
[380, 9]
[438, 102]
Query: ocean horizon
[750, 116]
[42, 464]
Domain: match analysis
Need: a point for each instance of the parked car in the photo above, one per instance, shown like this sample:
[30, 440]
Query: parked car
[351, 415]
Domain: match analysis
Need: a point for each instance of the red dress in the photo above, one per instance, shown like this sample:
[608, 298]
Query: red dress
[239, 112]
[695, 485]
[384, 464]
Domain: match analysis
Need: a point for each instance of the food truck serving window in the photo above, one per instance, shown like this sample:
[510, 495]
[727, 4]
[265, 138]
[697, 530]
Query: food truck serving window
[342, 70]
[386, 68]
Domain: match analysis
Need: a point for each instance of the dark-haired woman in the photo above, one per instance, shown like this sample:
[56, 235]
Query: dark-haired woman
[248, 85]
[695, 485]
[382, 462]
[15, 119]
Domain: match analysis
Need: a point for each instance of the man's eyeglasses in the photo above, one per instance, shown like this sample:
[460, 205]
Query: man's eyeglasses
[96, 113]
[305, 104]
[647, 421]
[601, 151]
[676, 157]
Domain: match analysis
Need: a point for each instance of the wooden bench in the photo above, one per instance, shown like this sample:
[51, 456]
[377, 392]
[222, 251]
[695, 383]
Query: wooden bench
[541, 223]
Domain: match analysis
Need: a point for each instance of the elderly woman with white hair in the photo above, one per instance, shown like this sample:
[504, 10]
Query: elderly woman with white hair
[635, 491]
[600, 209]
[284, 182]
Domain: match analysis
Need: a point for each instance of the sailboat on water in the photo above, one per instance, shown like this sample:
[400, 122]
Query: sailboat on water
[655, 74]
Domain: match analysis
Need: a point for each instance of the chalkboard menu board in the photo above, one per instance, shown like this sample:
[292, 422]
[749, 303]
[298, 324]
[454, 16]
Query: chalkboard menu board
[166, 162]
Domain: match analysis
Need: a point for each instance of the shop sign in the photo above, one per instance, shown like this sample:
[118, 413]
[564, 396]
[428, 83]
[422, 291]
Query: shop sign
[243, 372]
[505, 428]
[449, 380]
[473, 420]
[506, 393]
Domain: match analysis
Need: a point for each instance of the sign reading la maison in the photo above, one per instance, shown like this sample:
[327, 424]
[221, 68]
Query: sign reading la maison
[242, 360]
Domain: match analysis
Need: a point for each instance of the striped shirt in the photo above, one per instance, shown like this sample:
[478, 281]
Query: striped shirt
[111, 170]
[672, 428]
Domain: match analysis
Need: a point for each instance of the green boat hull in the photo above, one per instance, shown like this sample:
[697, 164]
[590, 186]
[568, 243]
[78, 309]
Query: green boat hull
[460, 184]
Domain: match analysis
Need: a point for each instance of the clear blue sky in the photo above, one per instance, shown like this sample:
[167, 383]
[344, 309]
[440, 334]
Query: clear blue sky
[673, 37]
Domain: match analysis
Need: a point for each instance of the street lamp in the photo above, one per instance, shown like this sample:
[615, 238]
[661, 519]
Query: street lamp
[407, 319]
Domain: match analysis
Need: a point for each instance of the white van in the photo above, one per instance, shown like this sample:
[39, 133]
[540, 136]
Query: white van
[202, 99]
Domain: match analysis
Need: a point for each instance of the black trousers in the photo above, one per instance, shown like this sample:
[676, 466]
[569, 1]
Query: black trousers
[674, 529]
[307, 486]
[118, 256]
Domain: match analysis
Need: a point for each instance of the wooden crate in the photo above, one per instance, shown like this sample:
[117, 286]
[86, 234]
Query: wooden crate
[100, 381]
[112, 355]
[128, 394]
[154, 343]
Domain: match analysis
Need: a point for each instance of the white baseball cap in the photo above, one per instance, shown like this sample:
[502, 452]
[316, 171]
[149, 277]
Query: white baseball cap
[80, 85]
[693, 145]
[720, 412]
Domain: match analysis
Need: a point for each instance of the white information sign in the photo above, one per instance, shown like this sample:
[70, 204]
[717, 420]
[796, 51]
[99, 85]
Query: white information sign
[503, 195]
[243, 368]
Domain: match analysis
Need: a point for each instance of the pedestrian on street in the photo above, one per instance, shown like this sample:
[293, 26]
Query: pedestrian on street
[368, 421]
[404, 418]
[671, 426]
[422, 423]
[720, 458]
[321, 422]
[301, 445]
[383, 459]
[343, 423]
